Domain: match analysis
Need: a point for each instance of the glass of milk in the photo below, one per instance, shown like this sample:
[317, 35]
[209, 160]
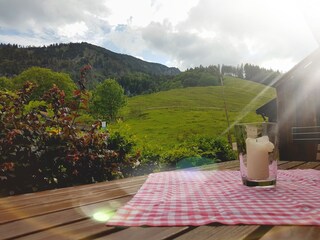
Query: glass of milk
[257, 146]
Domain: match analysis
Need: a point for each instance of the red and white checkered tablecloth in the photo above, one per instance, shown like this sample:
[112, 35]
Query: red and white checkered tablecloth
[181, 198]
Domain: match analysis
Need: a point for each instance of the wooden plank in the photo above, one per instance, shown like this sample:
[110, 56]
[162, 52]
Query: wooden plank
[318, 152]
[229, 165]
[7, 204]
[26, 226]
[219, 232]
[77, 230]
[290, 165]
[293, 233]
[282, 162]
[71, 192]
[44, 222]
[220, 166]
[308, 165]
[149, 233]
[82, 200]
[232, 165]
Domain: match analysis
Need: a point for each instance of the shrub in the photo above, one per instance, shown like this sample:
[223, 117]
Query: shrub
[149, 161]
[212, 148]
[178, 154]
[124, 148]
[215, 148]
[195, 151]
[223, 150]
[41, 147]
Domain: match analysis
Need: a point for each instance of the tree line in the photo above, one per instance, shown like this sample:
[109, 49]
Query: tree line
[251, 72]
[140, 83]
[134, 75]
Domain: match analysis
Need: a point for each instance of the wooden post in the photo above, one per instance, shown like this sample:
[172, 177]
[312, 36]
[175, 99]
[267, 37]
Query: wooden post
[225, 109]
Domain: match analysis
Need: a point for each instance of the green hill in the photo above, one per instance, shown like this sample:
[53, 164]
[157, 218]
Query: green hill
[167, 117]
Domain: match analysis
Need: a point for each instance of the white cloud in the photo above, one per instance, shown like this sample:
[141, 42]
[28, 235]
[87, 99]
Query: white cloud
[270, 33]
[127, 39]
[143, 12]
[21, 14]
[37, 22]
[182, 33]
[77, 29]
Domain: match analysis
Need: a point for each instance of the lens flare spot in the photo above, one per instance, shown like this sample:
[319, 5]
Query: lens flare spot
[102, 216]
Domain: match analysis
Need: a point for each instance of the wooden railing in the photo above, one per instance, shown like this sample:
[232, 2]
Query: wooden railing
[307, 135]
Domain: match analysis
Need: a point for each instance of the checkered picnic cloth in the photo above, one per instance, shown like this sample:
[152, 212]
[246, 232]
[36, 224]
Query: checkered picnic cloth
[181, 198]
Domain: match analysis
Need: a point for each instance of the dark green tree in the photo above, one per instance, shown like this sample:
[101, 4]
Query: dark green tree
[107, 99]
[240, 71]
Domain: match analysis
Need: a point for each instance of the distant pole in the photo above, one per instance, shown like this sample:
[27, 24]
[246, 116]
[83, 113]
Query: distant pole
[103, 124]
[225, 107]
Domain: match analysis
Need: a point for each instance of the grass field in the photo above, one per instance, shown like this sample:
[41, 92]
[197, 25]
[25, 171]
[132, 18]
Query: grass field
[166, 118]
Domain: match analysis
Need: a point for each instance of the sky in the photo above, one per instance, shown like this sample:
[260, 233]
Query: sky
[273, 34]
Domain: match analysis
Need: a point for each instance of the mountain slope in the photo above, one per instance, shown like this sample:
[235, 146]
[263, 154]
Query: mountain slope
[71, 57]
[169, 117]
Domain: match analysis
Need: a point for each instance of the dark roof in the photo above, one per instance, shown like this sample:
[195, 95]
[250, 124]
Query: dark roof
[269, 110]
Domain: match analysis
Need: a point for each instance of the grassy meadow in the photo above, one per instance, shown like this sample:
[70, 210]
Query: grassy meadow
[166, 118]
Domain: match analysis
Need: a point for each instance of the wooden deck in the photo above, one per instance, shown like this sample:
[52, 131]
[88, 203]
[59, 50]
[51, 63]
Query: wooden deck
[68, 214]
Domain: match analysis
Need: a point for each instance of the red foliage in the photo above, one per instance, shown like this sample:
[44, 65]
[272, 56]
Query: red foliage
[40, 151]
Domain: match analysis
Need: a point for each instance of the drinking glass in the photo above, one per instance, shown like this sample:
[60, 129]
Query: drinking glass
[257, 146]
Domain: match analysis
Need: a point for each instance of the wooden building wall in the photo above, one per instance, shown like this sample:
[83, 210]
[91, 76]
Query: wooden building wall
[298, 106]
